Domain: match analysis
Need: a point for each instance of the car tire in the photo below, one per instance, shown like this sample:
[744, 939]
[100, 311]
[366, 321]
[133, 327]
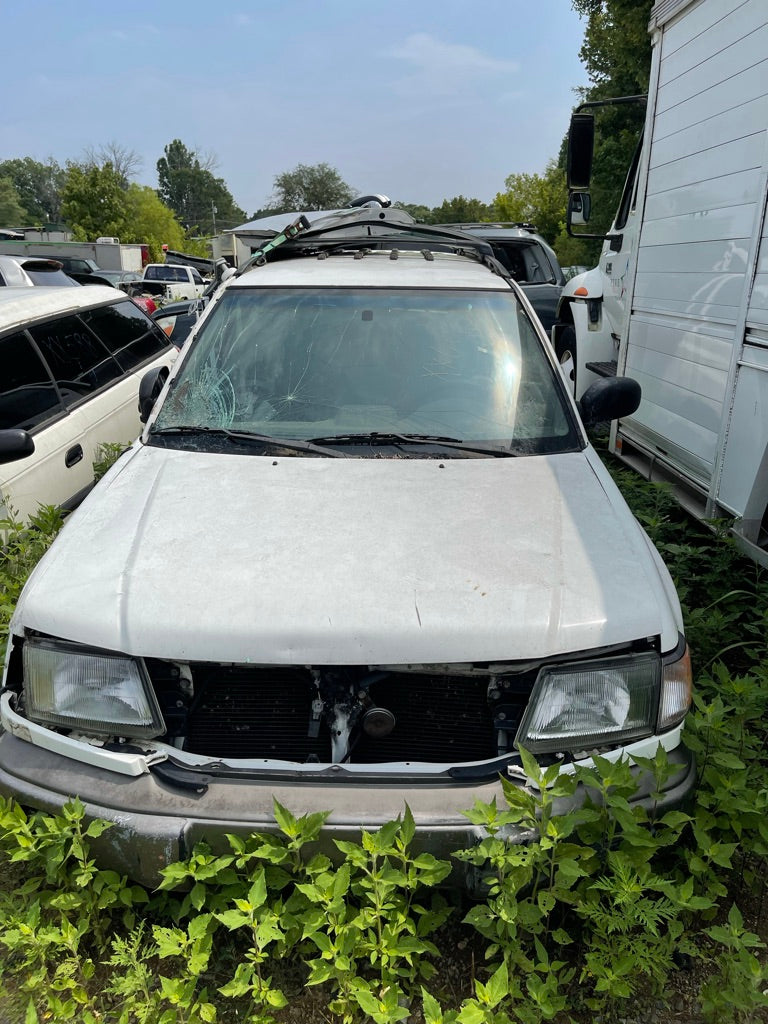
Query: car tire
[565, 350]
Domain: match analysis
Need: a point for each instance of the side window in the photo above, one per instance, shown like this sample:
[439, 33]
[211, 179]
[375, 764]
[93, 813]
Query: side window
[511, 257]
[27, 394]
[127, 332]
[538, 270]
[79, 362]
[196, 277]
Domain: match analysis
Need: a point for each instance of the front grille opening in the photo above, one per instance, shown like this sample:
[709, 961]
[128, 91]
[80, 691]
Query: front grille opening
[437, 718]
[244, 714]
[323, 715]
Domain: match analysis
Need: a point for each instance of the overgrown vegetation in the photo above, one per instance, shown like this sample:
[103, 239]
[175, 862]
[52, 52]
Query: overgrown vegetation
[596, 914]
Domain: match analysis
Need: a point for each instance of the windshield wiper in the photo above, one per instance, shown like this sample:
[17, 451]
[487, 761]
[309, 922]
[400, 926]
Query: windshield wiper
[376, 437]
[248, 437]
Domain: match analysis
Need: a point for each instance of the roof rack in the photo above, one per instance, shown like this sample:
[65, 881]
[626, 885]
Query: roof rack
[368, 228]
[524, 224]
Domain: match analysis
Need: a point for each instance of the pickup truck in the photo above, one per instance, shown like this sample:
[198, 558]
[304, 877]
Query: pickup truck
[180, 282]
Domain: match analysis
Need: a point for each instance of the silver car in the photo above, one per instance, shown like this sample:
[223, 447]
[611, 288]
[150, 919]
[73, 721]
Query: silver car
[362, 553]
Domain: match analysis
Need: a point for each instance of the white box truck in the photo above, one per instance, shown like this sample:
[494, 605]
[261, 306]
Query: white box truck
[679, 299]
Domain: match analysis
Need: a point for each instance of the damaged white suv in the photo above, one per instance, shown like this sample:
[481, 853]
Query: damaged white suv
[362, 553]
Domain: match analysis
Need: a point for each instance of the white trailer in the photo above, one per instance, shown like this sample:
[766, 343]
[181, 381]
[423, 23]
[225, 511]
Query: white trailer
[108, 255]
[679, 300]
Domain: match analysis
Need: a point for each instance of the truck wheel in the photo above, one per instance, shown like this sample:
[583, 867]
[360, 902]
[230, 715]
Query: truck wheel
[565, 350]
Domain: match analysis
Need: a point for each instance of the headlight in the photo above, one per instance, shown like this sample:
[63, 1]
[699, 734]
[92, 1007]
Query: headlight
[97, 692]
[592, 704]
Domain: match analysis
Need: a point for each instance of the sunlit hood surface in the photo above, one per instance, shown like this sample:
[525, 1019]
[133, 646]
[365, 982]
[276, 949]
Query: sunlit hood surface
[304, 560]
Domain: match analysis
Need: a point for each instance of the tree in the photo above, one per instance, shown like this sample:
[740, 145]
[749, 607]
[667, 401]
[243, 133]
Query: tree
[12, 213]
[460, 209]
[315, 187]
[616, 53]
[94, 202]
[202, 202]
[423, 214]
[539, 199]
[38, 186]
[126, 162]
[151, 222]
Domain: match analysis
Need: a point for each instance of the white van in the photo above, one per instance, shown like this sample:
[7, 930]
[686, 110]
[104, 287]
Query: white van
[362, 553]
[71, 360]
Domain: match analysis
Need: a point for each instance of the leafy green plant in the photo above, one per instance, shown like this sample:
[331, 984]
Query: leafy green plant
[107, 454]
[22, 545]
[738, 988]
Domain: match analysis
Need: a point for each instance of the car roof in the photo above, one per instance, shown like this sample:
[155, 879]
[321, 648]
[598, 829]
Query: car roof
[21, 258]
[20, 305]
[373, 269]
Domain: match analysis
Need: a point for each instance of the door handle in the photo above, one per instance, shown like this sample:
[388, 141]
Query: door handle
[73, 456]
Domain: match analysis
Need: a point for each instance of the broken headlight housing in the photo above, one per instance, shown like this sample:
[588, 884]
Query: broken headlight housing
[605, 702]
[94, 691]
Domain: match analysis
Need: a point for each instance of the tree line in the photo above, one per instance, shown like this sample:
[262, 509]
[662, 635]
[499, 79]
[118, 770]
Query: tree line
[97, 195]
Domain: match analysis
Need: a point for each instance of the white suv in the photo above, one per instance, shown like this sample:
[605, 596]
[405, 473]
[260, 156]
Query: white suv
[362, 553]
[71, 360]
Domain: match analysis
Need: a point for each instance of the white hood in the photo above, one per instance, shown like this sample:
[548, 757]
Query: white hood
[304, 560]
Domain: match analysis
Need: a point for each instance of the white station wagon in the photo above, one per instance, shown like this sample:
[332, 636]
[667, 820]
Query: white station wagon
[71, 361]
[362, 553]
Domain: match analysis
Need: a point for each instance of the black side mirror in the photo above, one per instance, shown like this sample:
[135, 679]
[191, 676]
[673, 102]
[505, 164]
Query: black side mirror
[609, 399]
[149, 389]
[15, 444]
[581, 140]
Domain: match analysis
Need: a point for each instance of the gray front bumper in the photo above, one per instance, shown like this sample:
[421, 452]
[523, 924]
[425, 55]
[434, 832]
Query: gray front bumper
[156, 824]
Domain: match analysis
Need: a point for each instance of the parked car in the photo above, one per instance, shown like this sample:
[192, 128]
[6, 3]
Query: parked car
[116, 278]
[80, 265]
[70, 364]
[24, 271]
[530, 260]
[362, 553]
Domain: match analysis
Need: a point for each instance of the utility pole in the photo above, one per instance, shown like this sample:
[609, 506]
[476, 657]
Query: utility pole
[214, 211]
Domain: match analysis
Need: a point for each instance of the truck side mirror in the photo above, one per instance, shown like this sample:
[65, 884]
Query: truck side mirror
[579, 207]
[609, 398]
[15, 444]
[149, 389]
[581, 139]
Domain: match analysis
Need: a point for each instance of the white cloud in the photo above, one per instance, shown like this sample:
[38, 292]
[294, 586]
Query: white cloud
[444, 69]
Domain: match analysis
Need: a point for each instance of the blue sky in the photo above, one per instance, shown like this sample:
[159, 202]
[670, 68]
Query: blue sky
[420, 99]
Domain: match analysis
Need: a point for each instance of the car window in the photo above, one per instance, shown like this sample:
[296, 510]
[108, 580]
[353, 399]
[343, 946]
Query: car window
[80, 364]
[528, 263]
[127, 332]
[302, 363]
[27, 394]
[196, 278]
[41, 275]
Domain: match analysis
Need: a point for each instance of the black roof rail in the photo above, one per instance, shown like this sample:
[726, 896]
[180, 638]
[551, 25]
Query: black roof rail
[524, 224]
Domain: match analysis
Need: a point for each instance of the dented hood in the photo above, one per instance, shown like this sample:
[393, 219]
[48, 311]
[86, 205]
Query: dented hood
[304, 560]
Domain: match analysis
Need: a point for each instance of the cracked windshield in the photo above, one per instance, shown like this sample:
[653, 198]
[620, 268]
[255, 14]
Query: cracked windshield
[321, 362]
